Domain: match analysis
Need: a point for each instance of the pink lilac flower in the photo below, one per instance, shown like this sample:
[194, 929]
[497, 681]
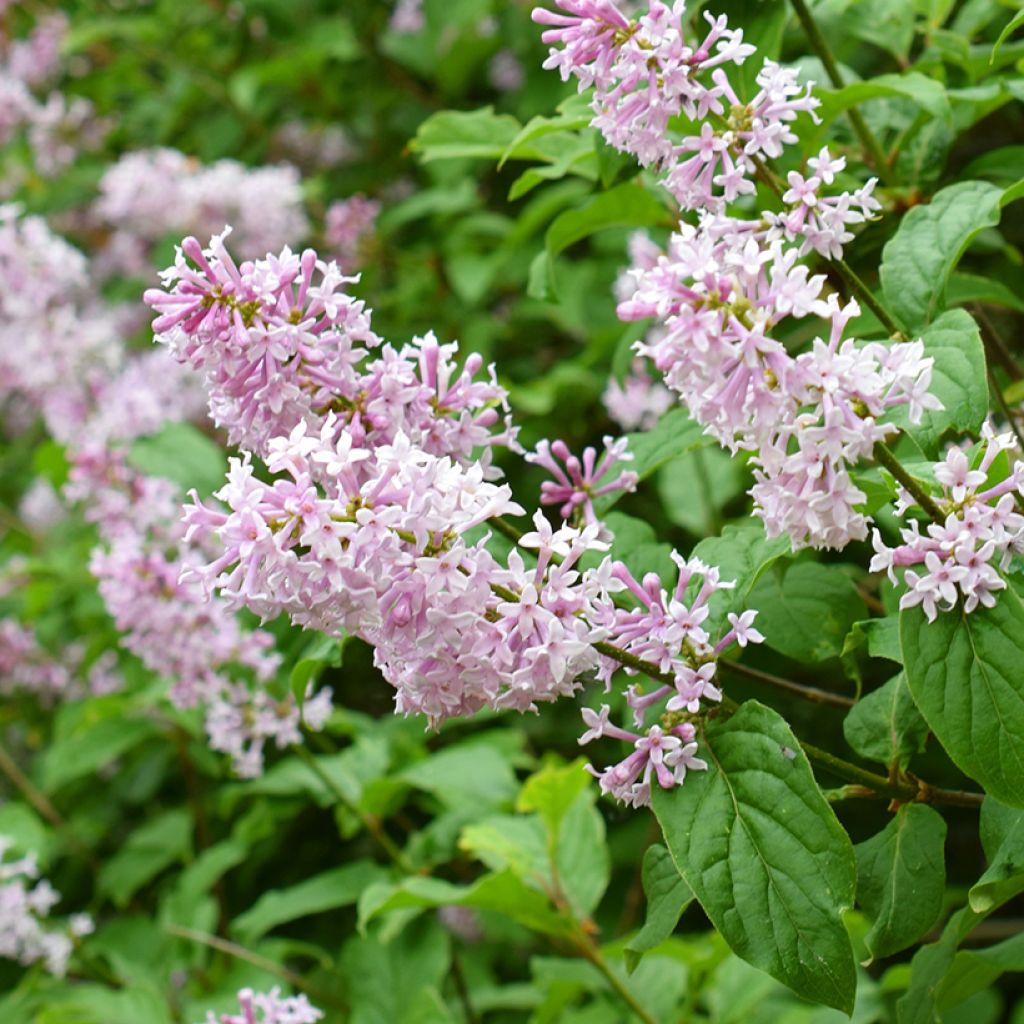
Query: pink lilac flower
[407, 17]
[150, 193]
[25, 904]
[347, 225]
[281, 342]
[982, 532]
[268, 1008]
[380, 480]
[505, 72]
[578, 481]
[639, 401]
[26, 667]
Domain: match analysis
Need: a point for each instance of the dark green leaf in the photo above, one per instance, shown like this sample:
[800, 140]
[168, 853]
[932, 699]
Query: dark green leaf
[763, 852]
[339, 887]
[901, 876]
[806, 610]
[885, 726]
[965, 674]
[959, 381]
[929, 242]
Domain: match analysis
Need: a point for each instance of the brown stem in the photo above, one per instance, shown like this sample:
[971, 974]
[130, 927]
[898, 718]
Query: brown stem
[885, 456]
[811, 693]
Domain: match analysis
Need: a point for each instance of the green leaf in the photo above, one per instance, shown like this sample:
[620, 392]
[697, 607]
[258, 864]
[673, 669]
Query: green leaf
[965, 674]
[1002, 834]
[85, 752]
[977, 970]
[182, 454]
[929, 968]
[625, 206]
[668, 896]
[472, 773]
[901, 876]
[1011, 26]
[552, 791]
[806, 609]
[885, 726]
[673, 435]
[927, 93]
[339, 887]
[742, 553]
[696, 487]
[959, 381]
[881, 635]
[504, 893]
[148, 850]
[763, 852]
[918, 259]
[454, 134]
[581, 853]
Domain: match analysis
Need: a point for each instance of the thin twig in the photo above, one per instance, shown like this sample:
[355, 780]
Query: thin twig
[811, 693]
[820, 46]
[241, 953]
[884, 455]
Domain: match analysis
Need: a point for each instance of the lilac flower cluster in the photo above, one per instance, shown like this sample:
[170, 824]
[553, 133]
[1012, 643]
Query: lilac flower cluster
[56, 127]
[667, 630]
[55, 337]
[724, 285]
[577, 482]
[25, 667]
[983, 528]
[151, 193]
[167, 620]
[382, 484]
[61, 354]
[268, 1008]
[638, 402]
[25, 903]
[348, 224]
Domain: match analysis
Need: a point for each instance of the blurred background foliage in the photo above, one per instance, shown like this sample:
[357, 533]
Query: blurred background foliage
[403, 876]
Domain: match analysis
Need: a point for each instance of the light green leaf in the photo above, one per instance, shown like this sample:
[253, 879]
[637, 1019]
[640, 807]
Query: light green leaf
[86, 751]
[977, 970]
[927, 93]
[901, 876]
[882, 637]
[965, 674]
[959, 381]
[581, 854]
[929, 968]
[696, 487]
[182, 454]
[552, 791]
[339, 887]
[668, 896]
[625, 206]
[504, 892]
[918, 259]
[885, 726]
[1011, 26]
[763, 852]
[806, 610]
[742, 553]
[473, 772]
[454, 134]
